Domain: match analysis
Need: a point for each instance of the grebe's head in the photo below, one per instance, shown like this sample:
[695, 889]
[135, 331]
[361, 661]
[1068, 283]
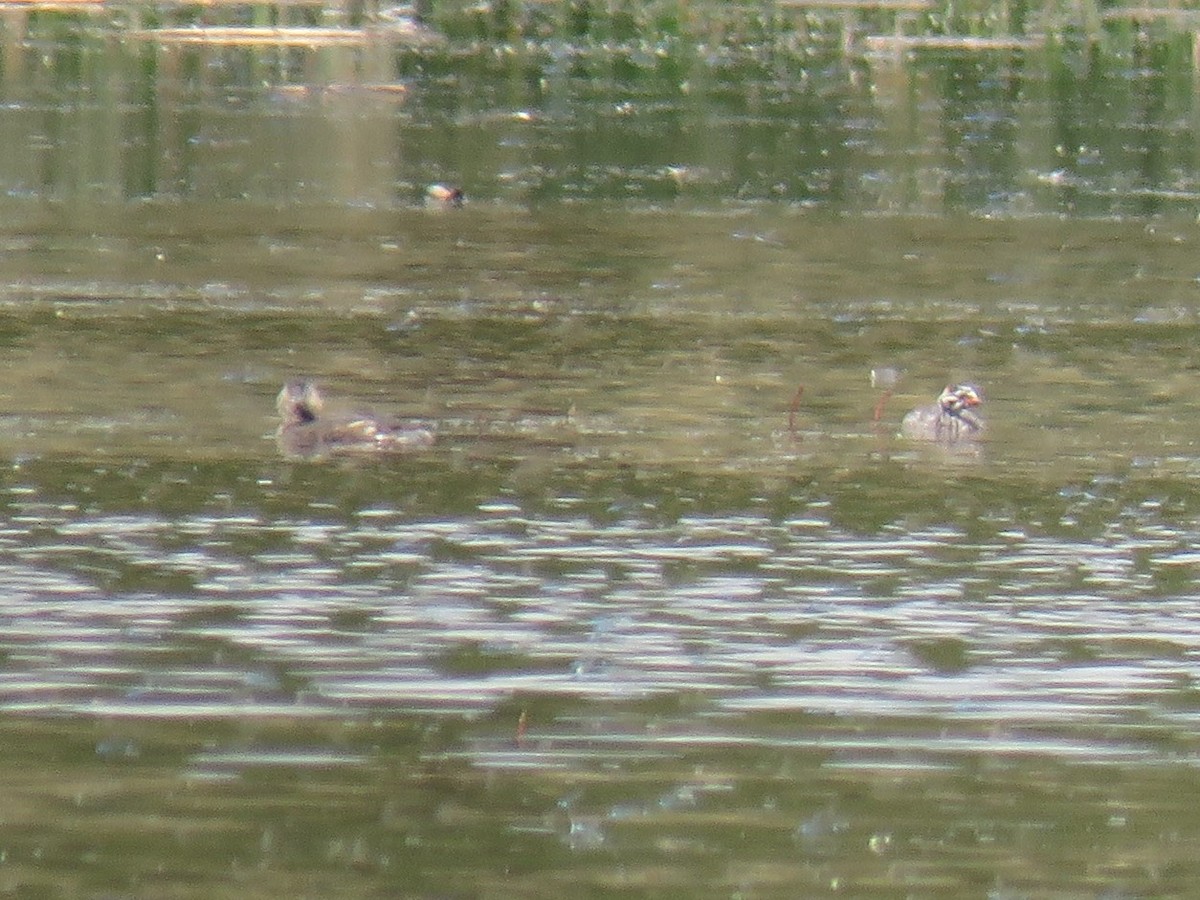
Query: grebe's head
[957, 397]
[299, 402]
[441, 196]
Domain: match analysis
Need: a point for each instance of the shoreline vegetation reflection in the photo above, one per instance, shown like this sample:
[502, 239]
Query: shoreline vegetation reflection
[910, 108]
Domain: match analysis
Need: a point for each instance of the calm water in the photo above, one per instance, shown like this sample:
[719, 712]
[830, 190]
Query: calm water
[638, 625]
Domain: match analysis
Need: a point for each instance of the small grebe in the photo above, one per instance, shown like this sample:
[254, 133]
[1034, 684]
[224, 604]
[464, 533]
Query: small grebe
[442, 196]
[304, 430]
[953, 419]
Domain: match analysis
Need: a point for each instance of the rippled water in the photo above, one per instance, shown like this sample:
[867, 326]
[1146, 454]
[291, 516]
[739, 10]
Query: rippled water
[669, 609]
[623, 626]
[971, 620]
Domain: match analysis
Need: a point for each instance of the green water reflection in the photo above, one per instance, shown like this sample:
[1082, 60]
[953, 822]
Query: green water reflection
[388, 808]
[92, 120]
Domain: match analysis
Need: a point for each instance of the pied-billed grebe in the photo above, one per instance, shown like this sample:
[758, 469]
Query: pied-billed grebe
[305, 430]
[441, 196]
[953, 419]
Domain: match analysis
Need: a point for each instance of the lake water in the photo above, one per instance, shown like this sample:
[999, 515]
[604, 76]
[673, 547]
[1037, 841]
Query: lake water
[669, 609]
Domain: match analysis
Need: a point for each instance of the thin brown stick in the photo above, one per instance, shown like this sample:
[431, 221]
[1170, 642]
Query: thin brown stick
[883, 401]
[522, 728]
[792, 412]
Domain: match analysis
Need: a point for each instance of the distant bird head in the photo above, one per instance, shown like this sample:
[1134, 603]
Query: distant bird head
[958, 397]
[299, 402]
[444, 197]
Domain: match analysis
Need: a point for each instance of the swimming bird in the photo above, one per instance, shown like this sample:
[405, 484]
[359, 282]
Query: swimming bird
[441, 196]
[306, 431]
[953, 419]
